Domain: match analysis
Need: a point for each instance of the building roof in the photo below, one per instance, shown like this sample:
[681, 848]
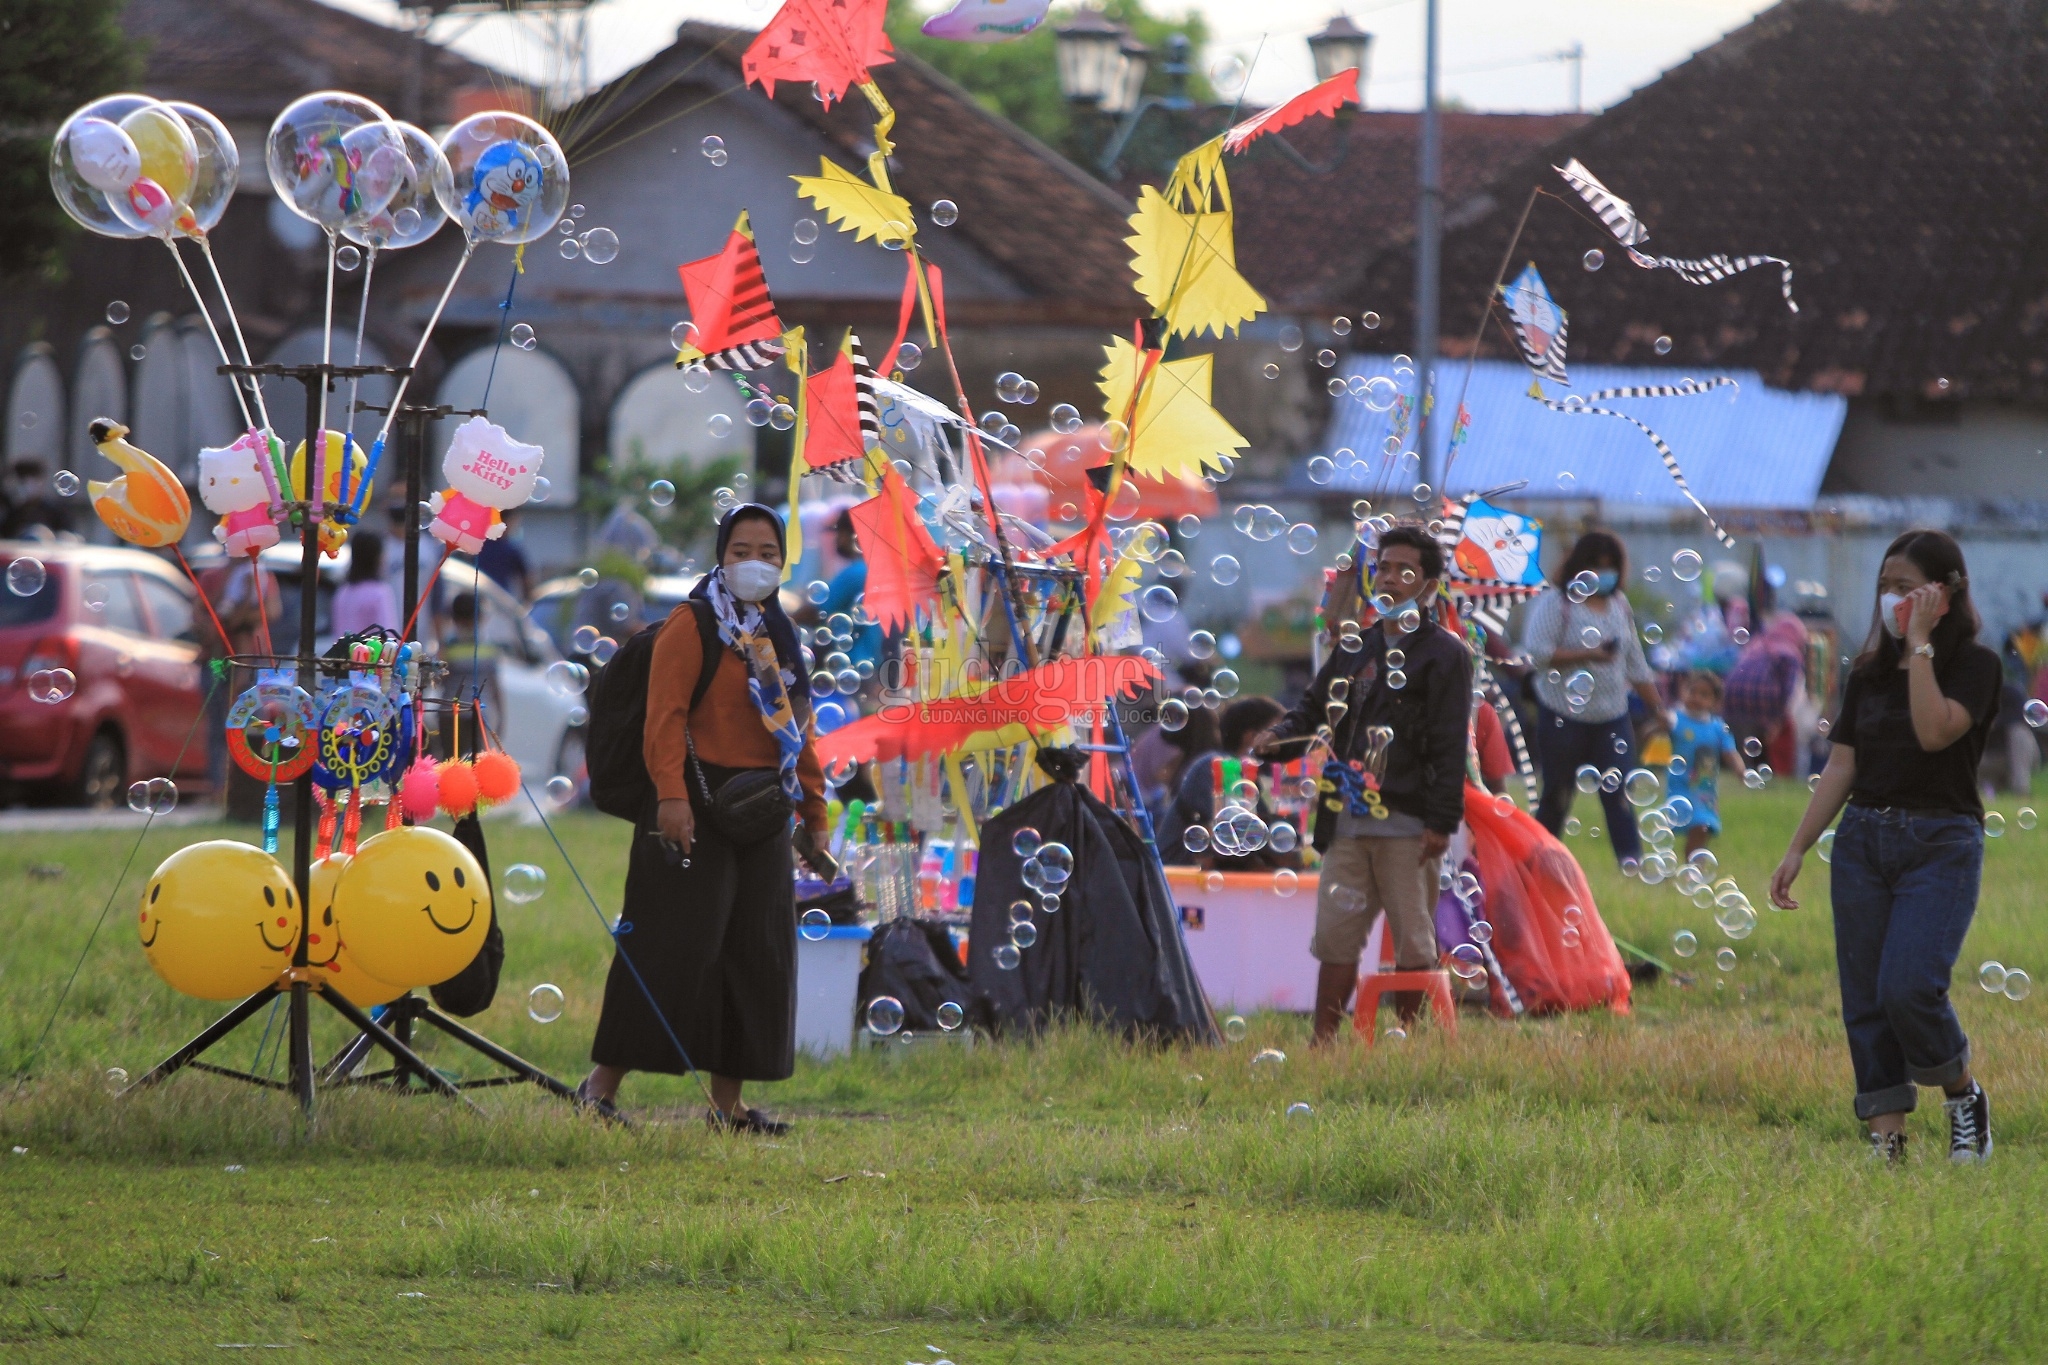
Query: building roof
[1305, 240]
[247, 59]
[1756, 448]
[1893, 151]
[1047, 224]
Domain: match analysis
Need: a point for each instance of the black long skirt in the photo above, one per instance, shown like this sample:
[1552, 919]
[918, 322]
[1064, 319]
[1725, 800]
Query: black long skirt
[714, 943]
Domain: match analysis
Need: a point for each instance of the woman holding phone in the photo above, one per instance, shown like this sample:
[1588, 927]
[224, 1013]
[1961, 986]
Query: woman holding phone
[1916, 711]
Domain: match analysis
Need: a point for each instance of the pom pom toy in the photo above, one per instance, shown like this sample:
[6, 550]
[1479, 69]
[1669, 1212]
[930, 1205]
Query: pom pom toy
[497, 776]
[458, 787]
[421, 791]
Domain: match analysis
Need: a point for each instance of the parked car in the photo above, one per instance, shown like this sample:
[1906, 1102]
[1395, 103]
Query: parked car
[121, 621]
[540, 726]
[560, 605]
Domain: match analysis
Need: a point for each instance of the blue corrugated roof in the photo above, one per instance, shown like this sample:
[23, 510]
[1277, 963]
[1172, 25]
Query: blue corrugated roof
[1753, 447]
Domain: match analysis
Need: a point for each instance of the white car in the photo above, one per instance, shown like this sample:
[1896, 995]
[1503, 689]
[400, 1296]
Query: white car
[541, 727]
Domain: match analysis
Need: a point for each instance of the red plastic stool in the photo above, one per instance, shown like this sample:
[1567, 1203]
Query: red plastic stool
[1434, 983]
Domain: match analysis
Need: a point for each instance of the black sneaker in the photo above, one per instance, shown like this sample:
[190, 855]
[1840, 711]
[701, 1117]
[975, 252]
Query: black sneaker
[1890, 1148]
[1969, 1125]
[746, 1121]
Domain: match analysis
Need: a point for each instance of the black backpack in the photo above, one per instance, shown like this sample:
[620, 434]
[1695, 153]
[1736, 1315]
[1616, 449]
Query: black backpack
[619, 784]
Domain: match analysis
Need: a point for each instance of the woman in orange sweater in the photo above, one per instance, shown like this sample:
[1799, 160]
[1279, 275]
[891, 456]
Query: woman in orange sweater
[713, 923]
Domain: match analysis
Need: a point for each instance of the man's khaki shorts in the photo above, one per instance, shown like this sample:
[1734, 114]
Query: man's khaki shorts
[1364, 876]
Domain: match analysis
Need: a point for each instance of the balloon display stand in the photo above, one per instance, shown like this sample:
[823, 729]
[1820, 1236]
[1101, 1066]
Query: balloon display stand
[303, 981]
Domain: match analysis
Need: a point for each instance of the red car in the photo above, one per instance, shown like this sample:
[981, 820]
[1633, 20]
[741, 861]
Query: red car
[122, 622]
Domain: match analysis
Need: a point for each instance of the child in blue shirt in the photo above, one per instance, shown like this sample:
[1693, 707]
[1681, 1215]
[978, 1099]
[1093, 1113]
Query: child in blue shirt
[1700, 742]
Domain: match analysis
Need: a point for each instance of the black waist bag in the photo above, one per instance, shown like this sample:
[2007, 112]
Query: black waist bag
[749, 806]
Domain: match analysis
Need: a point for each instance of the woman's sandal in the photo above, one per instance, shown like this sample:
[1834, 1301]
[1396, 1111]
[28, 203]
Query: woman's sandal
[602, 1107]
[749, 1121]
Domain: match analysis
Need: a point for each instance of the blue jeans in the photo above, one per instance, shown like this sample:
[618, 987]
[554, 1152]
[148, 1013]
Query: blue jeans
[1563, 745]
[1905, 887]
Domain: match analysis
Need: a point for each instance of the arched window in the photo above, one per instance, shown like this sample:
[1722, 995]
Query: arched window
[659, 417]
[35, 408]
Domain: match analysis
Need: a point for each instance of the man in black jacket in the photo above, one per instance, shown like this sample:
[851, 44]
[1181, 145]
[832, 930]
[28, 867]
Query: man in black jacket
[1394, 709]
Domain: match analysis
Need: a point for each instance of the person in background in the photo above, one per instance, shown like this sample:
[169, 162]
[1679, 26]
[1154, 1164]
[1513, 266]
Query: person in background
[1916, 712]
[32, 510]
[1160, 756]
[472, 659]
[844, 593]
[1490, 745]
[233, 587]
[426, 624]
[367, 599]
[1398, 726]
[1199, 790]
[1587, 656]
[1701, 745]
[1768, 677]
[503, 560]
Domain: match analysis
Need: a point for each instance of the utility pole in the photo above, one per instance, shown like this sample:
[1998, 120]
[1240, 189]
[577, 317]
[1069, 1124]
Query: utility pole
[1428, 264]
[1576, 55]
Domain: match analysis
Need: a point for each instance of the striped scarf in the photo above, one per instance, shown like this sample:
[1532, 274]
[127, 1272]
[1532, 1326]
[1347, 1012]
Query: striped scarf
[741, 627]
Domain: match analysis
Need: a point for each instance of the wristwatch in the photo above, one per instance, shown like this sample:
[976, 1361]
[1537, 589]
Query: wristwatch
[1926, 649]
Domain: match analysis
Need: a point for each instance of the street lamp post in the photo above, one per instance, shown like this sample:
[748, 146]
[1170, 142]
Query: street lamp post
[1339, 47]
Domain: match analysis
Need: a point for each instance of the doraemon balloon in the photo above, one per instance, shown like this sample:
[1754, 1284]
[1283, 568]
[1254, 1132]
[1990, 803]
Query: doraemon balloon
[509, 180]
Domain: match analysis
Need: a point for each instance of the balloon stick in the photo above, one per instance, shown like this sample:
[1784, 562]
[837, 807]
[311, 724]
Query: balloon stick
[316, 440]
[241, 399]
[468, 250]
[355, 381]
[235, 325]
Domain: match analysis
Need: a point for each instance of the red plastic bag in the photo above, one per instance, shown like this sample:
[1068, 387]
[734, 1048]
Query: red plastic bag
[1529, 879]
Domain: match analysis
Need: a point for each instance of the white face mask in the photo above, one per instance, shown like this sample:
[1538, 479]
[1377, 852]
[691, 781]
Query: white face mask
[753, 580]
[1888, 613]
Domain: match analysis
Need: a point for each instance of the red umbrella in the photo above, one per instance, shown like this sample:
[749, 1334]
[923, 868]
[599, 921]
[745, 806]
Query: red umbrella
[1056, 487]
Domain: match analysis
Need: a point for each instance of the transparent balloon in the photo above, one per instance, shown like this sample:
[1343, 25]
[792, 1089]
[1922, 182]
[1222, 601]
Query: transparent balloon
[336, 159]
[414, 212]
[509, 181]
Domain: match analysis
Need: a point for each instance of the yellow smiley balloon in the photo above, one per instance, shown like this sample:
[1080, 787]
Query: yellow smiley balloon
[219, 920]
[415, 906]
[327, 950]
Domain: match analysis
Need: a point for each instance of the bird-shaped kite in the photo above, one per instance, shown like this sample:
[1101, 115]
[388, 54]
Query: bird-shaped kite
[145, 505]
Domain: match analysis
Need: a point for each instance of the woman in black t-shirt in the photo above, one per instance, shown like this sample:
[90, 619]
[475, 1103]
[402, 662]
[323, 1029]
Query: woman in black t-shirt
[1915, 714]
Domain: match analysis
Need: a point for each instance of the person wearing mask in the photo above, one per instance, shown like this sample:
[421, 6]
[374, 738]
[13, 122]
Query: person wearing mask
[713, 934]
[1203, 789]
[1586, 656]
[1903, 754]
[1396, 706]
[367, 599]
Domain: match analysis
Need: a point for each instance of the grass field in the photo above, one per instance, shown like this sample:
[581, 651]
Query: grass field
[1684, 1184]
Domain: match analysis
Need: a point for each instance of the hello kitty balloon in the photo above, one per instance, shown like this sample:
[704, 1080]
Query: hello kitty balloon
[489, 473]
[232, 486]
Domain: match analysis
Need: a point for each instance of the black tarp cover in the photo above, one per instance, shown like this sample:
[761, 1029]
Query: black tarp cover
[1112, 952]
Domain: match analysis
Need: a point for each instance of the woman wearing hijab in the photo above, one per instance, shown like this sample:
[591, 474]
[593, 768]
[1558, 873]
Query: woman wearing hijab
[712, 922]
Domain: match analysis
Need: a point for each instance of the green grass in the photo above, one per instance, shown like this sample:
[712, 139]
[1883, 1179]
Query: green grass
[1686, 1183]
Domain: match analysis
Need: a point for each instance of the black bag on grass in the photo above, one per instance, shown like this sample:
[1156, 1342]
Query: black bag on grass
[471, 990]
[1111, 953]
[914, 961]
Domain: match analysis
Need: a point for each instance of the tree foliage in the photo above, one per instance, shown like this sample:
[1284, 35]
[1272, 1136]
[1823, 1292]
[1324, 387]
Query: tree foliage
[54, 56]
[1020, 80]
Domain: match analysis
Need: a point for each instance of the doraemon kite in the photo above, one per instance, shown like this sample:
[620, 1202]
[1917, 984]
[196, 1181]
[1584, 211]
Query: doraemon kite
[505, 188]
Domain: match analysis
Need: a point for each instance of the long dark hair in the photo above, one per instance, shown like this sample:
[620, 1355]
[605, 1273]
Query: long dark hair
[1936, 554]
[1588, 552]
[366, 557]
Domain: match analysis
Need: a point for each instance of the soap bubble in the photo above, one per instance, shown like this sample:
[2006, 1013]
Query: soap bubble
[1024, 933]
[885, 1015]
[661, 493]
[1686, 567]
[815, 925]
[1685, 943]
[523, 337]
[1467, 962]
[583, 639]
[2017, 984]
[1173, 715]
[1224, 570]
[1662, 346]
[1007, 957]
[1991, 976]
[1026, 842]
[713, 143]
[908, 356]
[94, 596]
[950, 1015]
[544, 1003]
[1994, 825]
[52, 685]
[561, 790]
[347, 257]
[1301, 538]
[1058, 862]
[945, 212]
[117, 312]
[600, 246]
[1234, 1028]
[2037, 713]
[569, 248]
[524, 882]
[65, 482]
[1724, 958]
[1641, 787]
[157, 796]
[1158, 603]
[26, 576]
[1321, 469]
[587, 576]
[2026, 819]
[1195, 838]
[567, 679]
[1266, 1062]
[1290, 337]
[805, 231]
[1594, 259]
[1066, 418]
[1286, 881]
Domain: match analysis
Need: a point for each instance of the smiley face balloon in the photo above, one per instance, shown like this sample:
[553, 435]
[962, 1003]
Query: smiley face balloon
[414, 905]
[219, 920]
[326, 948]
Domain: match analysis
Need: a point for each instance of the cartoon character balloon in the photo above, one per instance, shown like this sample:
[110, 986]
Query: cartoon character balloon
[327, 949]
[217, 173]
[121, 165]
[488, 473]
[146, 505]
[335, 159]
[219, 920]
[232, 486]
[414, 212]
[414, 905]
[509, 181]
[986, 21]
